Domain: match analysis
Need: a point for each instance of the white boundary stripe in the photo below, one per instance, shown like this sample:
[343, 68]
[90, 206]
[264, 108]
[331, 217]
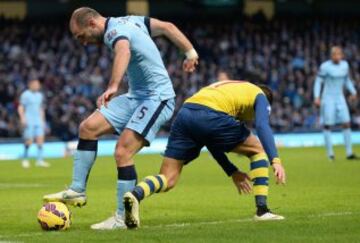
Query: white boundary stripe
[27, 235]
[182, 225]
[332, 214]
[20, 185]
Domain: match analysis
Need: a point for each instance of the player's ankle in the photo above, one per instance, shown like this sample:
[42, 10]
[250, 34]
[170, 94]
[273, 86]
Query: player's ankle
[261, 210]
[78, 190]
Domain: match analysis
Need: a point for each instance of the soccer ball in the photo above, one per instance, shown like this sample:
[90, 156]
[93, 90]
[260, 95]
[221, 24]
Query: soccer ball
[54, 216]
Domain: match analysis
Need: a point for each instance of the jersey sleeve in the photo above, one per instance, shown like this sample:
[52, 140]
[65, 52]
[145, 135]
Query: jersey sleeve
[319, 80]
[262, 126]
[143, 22]
[221, 158]
[114, 33]
[349, 84]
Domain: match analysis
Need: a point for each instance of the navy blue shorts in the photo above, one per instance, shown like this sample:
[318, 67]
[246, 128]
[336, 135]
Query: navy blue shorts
[197, 126]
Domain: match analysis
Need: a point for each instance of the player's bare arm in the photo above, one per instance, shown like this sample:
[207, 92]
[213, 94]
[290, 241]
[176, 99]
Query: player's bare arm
[317, 86]
[318, 83]
[21, 112]
[43, 117]
[169, 30]
[120, 64]
[351, 88]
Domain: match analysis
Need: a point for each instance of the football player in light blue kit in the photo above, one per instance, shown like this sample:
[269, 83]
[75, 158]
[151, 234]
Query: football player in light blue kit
[135, 116]
[334, 75]
[32, 117]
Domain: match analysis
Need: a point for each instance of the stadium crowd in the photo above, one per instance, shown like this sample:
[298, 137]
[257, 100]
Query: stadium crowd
[284, 54]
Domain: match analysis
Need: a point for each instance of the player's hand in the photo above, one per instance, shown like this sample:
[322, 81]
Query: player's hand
[317, 102]
[279, 172]
[189, 65]
[352, 98]
[242, 182]
[106, 96]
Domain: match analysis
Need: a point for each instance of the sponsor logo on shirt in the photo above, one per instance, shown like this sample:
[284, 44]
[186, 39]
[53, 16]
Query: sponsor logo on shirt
[111, 35]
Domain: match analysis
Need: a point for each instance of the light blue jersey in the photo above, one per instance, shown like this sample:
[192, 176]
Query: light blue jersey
[333, 77]
[147, 75]
[32, 103]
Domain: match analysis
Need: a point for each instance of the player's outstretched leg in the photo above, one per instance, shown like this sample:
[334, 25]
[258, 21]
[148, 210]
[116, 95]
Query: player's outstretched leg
[259, 174]
[149, 186]
[166, 180]
[84, 158]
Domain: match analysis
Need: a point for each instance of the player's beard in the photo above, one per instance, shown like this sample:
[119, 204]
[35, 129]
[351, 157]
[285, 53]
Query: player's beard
[99, 38]
[95, 38]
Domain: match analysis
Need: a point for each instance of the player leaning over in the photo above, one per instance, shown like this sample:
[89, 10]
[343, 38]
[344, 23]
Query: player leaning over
[32, 117]
[137, 115]
[334, 74]
[214, 117]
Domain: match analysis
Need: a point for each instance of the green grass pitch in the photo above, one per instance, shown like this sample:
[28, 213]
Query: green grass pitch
[321, 202]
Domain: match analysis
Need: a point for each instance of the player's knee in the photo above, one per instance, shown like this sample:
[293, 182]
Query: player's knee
[87, 129]
[346, 125]
[254, 152]
[123, 156]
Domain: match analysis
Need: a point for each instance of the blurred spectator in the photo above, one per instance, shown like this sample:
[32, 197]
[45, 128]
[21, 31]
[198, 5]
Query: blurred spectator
[285, 54]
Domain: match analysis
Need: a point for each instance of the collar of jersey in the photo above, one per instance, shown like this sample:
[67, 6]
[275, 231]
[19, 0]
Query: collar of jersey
[106, 23]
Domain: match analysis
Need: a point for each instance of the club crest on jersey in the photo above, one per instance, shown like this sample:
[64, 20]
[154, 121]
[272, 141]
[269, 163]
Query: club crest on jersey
[269, 109]
[111, 35]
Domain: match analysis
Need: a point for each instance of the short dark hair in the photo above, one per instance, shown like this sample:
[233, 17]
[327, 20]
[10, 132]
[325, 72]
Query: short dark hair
[267, 91]
[81, 15]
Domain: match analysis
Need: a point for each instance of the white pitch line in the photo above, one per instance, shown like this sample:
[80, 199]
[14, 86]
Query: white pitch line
[179, 225]
[26, 235]
[332, 214]
[182, 225]
[20, 185]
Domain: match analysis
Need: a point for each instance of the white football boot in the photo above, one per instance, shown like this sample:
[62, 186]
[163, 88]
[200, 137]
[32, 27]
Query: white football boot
[131, 204]
[112, 223]
[69, 197]
[42, 163]
[268, 216]
[25, 164]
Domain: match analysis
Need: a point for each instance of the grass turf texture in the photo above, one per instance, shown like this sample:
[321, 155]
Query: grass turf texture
[321, 202]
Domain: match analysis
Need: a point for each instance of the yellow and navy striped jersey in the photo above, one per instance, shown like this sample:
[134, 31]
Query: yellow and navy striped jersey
[243, 101]
[234, 97]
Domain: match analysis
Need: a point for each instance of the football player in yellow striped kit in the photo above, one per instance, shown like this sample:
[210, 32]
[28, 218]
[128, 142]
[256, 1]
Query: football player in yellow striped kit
[215, 117]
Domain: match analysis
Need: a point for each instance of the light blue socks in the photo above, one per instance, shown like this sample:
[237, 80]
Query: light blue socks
[127, 179]
[328, 143]
[84, 159]
[347, 140]
[40, 153]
